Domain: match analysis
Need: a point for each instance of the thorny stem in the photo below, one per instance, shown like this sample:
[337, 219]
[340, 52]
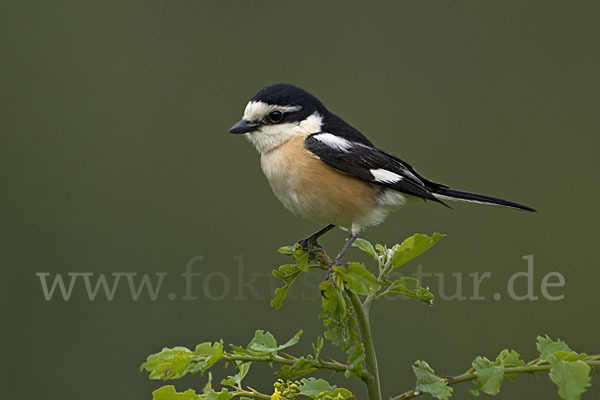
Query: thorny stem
[472, 375]
[362, 319]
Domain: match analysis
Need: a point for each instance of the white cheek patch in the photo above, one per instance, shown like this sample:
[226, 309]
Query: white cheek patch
[334, 142]
[312, 123]
[257, 110]
[385, 176]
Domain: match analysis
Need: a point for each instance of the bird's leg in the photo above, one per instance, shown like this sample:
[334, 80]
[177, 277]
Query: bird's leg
[338, 258]
[308, 243]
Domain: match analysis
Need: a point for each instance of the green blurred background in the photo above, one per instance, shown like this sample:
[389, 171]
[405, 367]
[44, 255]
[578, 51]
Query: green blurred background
[116, 158]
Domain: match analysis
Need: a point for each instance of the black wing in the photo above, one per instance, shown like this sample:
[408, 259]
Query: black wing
[369, 164]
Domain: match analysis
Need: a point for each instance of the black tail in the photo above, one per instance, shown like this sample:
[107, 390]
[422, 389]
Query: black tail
[446, 193]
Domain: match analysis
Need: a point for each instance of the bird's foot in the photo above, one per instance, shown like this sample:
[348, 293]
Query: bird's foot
[330, 269]
[309, 244]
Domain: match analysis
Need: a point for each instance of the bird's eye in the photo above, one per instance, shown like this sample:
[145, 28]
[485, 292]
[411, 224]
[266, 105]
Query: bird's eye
[275, 116]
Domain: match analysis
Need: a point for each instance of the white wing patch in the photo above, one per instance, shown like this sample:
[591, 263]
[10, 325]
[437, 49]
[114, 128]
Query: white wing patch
[333, 141]
[383, 175]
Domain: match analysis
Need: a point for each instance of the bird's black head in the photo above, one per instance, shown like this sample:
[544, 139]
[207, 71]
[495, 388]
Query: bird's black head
[284, 94]
[278, 104]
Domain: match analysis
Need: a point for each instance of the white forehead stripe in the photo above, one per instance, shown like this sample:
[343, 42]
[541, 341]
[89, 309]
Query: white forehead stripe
[383, 175]
[257, 110]
[334, 142]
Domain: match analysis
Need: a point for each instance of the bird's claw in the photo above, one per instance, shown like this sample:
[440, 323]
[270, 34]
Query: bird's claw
[309, 244]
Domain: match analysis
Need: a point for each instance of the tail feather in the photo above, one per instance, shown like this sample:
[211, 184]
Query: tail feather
[445, 193]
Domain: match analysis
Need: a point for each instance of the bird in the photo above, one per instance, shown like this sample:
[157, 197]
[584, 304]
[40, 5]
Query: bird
[323, 169]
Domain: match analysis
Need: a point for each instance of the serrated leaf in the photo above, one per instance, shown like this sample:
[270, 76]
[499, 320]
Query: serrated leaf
[358, 279]
[365, 246]
[168, 392]
[288, 274]
[509, 359]
[264, 343]
[409, 287]
[313, 387]
[548, 347]
[489, 376]
[413, 247]
[572, 378]
[428, 382]
[301, 367]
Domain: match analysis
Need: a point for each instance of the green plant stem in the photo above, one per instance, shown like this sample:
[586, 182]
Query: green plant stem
[275, 359]
[469, 376]
[362, 319]
[385, 264]
[253, 395]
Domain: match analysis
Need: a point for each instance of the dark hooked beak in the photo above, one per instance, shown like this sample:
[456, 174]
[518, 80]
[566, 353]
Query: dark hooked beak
[244, 126]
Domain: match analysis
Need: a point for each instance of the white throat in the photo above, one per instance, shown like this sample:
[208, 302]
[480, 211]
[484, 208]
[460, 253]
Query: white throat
[269, 137]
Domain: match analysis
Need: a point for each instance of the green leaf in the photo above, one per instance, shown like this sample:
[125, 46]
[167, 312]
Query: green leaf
[489, 376]
[547, 347]
[568, 372]
[318, 347]
[313, 388]
[301, 258]
[208, 355]
[179, 361]
[358, 279]
[509, 359]
[356, 356]
[413, 247]
[208, 387]
[301, 367]
[168, 393]
[222, 395]
[280, 294]
[236, 379]
[428, 382]
[286, 250]
[365, 246]
[169, 363]
[264, 343]
[334, 315]
[340, 325]
[572, 378]
[409, 287]
[288, 274]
